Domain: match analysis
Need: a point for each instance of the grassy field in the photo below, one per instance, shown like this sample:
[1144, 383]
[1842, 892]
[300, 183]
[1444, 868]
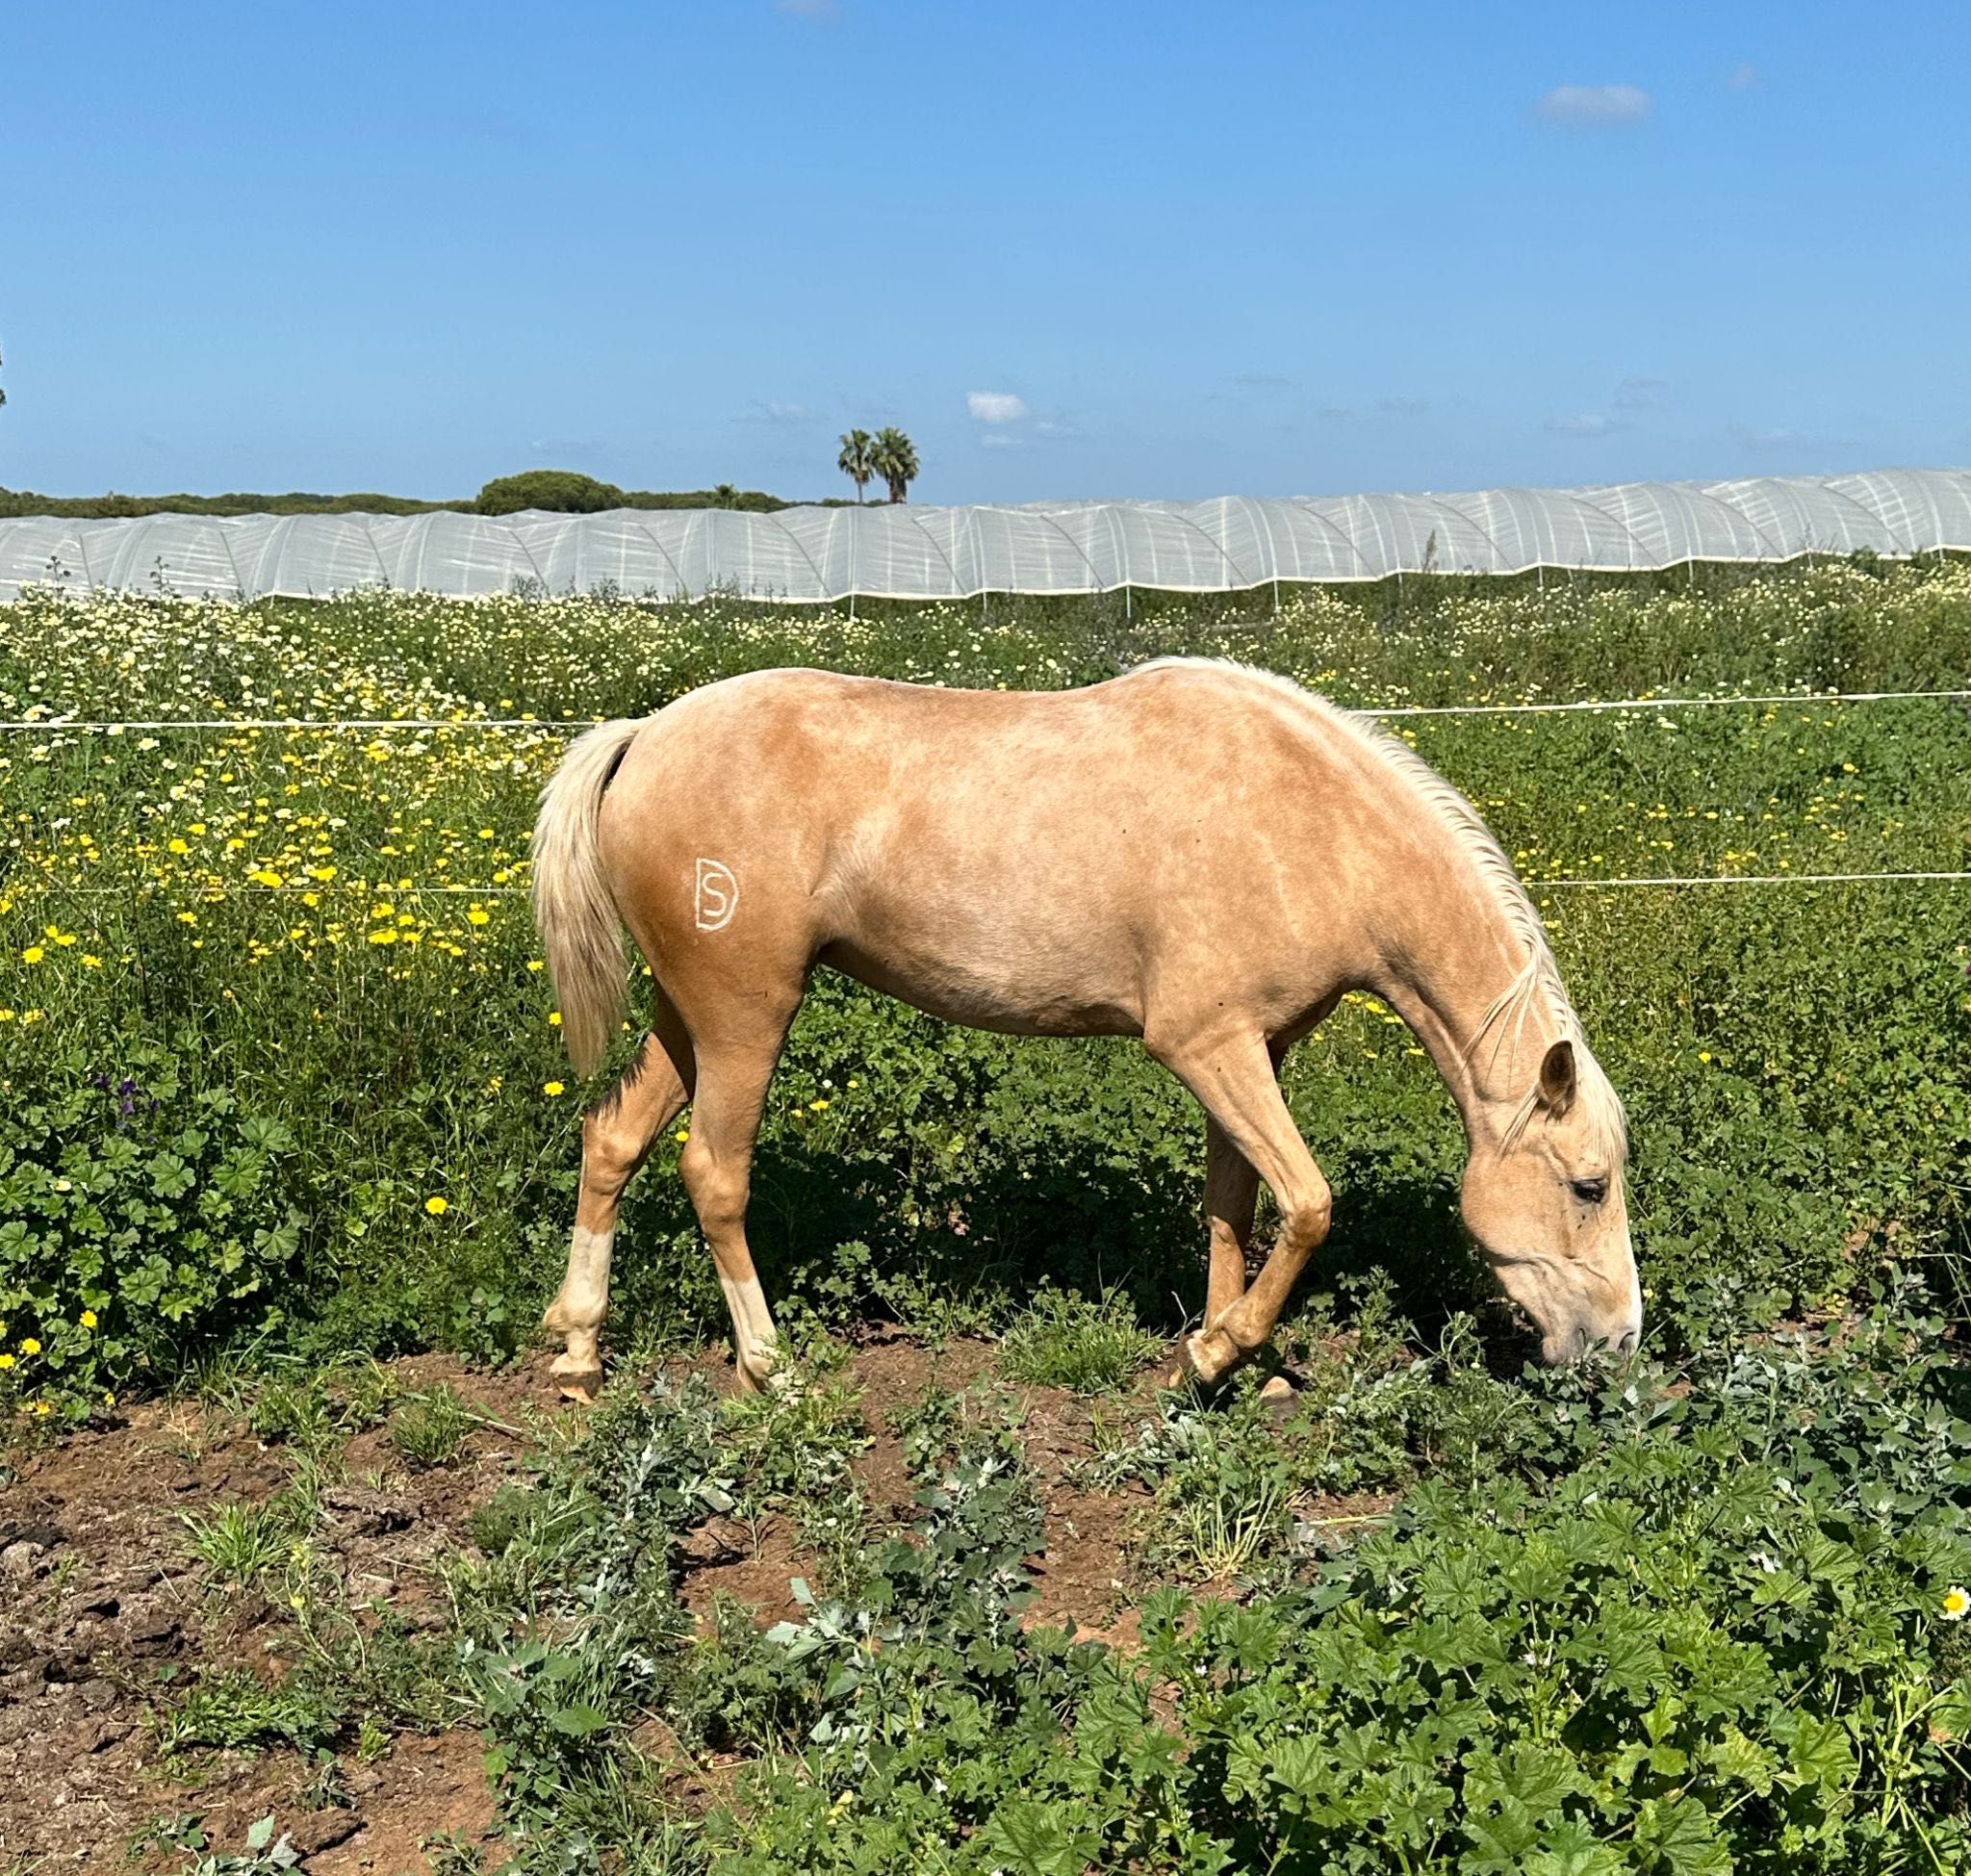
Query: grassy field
[282, 1101]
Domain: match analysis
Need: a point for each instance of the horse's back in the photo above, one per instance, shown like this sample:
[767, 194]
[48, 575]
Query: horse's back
[1013, 859]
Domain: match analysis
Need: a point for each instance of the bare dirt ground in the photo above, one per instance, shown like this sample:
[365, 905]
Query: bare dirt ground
[103, 1608]
[103, 1601]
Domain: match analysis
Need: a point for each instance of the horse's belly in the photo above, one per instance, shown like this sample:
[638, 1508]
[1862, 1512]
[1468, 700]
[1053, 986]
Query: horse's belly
[1024, 992]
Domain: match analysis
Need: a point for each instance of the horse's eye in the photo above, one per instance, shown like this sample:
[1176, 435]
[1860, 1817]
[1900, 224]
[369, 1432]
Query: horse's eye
[1593, 1190]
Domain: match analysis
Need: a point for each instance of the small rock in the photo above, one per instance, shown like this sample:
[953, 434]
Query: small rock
[16, 1647]
[316, 1831]
[718, 1540]
[360, 1512]
[42, 1534]
[100, 1735]
[23, 1561]
[151, 1629]
[98, 1694]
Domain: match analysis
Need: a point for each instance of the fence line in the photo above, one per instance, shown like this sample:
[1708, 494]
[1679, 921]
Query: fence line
[350, 889]
[22, 726]
[1663, 703]
[1745, 879]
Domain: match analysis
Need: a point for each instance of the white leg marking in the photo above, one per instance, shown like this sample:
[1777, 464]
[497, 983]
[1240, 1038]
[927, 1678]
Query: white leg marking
[585, 1295]
[755, 1339]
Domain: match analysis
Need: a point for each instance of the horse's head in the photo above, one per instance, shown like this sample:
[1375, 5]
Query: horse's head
[1544, 1198]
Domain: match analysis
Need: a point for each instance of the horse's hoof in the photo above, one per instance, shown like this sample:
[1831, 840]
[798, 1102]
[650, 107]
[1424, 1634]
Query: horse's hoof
[577, 1379]
[1278, 1397]
[1210, 1354]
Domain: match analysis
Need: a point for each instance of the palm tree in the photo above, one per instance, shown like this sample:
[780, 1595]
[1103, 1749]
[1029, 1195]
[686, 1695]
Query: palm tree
[896, 462]
[725, 496]
[858, 460]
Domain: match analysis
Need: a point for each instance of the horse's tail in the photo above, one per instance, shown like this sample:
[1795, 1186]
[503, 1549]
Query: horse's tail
[574, 908]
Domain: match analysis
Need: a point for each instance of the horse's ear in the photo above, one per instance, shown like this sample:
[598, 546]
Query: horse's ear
[1557, 1081]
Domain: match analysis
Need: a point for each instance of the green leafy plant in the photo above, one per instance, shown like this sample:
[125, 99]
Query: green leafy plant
[240, 1543]
[430, 1429]
[140, 1216]
[1085, 1346]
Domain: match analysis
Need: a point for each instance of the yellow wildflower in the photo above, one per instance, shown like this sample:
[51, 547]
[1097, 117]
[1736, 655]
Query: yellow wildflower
[552, 1088]
[1956, 1604]
[436, 1206]
[87, 1318]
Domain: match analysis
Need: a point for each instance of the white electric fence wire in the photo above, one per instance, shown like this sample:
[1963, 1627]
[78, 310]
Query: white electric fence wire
[384, 889]
[1537, 887]
[118, 726]
[1674, 881]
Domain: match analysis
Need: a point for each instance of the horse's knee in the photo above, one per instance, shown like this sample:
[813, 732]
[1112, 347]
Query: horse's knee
[1307, 1218]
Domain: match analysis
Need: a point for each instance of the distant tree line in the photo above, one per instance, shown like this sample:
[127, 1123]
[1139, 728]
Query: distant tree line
[558, 490]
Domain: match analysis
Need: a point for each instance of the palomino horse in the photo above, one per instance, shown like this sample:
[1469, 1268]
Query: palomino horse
[1197, 854]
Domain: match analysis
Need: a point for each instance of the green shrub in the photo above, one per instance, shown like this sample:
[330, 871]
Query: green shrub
[556, 491]
[142, 1217]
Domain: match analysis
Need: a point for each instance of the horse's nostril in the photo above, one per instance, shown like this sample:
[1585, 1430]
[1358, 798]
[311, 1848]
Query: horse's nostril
[1625, 1344]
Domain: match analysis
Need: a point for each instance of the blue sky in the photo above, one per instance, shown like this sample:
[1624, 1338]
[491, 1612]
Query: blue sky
[1075, 249]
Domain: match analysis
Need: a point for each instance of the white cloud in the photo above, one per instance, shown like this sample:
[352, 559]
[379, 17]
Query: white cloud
[1639, 393]
[1742, 78]
[1588, 423]
[1000, 440]
[1594, 104]
[996, 406]
[1782, 441]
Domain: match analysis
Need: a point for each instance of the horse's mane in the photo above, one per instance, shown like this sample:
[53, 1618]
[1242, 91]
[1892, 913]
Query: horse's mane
[1538, 984]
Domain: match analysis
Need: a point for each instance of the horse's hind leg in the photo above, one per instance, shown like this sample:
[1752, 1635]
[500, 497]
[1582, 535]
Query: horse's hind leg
[617, 1135]
[733, 1070]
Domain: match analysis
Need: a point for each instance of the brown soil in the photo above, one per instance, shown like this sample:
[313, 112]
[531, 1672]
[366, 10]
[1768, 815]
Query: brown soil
[99, 1601]
[102, 1606]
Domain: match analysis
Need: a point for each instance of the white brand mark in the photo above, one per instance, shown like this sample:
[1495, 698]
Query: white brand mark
[718, 896]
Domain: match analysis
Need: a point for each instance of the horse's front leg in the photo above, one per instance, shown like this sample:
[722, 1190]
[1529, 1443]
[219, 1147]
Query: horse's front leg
[1231, 1202]
[1234, 1077]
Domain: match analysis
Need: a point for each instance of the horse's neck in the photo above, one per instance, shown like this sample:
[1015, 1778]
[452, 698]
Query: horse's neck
[1453, 957]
